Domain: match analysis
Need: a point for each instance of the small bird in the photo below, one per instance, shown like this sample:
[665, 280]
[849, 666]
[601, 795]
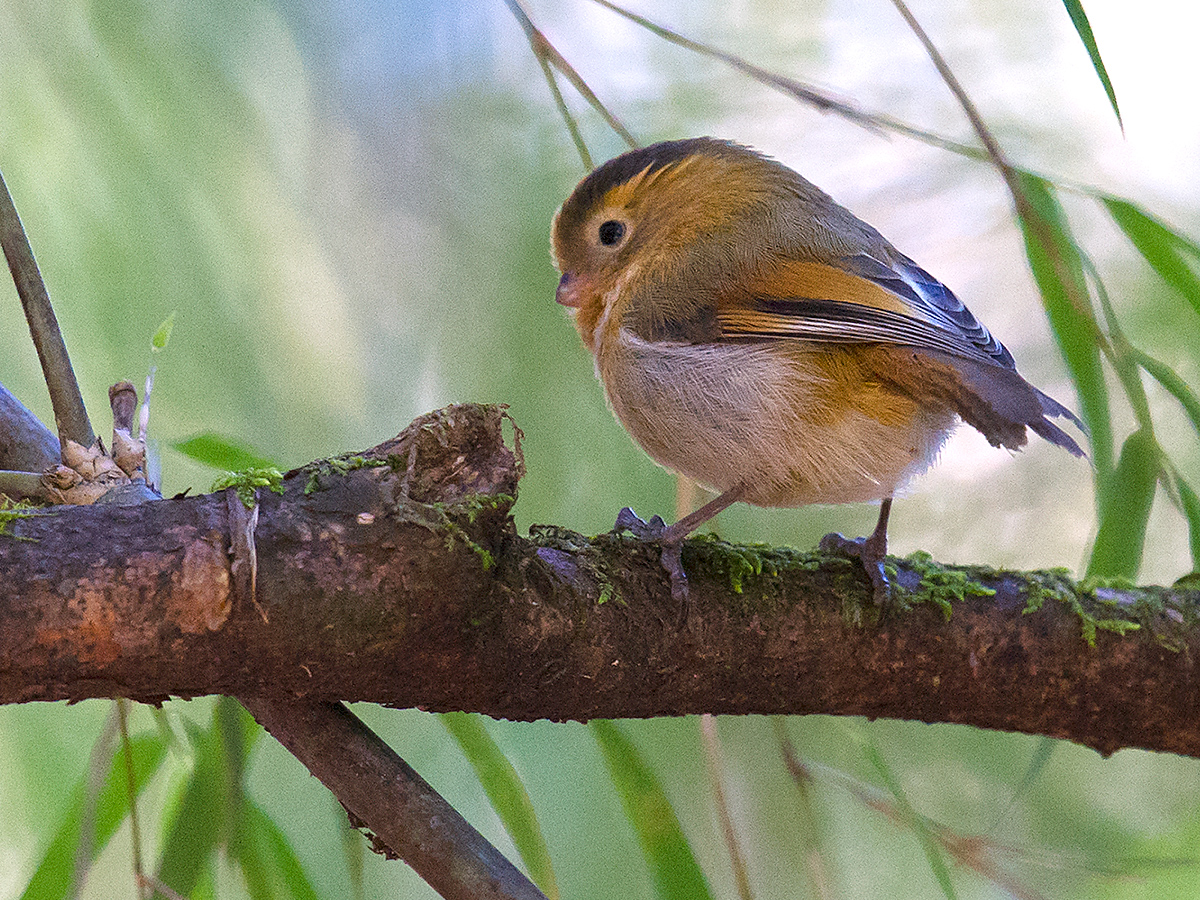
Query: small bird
[758, 338]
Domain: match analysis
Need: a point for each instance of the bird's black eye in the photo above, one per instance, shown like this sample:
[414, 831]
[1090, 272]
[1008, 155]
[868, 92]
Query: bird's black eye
[611, 232]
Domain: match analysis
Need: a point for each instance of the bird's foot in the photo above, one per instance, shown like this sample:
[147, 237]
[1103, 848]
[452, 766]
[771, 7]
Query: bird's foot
[868, 552]
[672, 550]
[628, 520]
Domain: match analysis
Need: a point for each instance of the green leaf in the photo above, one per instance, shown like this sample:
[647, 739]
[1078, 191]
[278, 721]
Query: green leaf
[1047, 239]
[269, 865]
[1122, 533]
[1191, 509]
[916, 821]
[239, 733]
[202, 817]
[162, 337]
[1037, 763]
[1174, 385]
[507, 795]
[672, 864]
[52, 878]
[1162, 247]
[205, 889]
[354, 849]
[1080, 20]
[221, 452]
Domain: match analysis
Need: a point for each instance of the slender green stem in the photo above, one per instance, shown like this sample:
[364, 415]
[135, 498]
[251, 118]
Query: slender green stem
[1120, 352]
[1174, 385]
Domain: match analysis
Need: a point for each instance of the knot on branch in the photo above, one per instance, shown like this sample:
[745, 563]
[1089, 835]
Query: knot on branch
[452, 453]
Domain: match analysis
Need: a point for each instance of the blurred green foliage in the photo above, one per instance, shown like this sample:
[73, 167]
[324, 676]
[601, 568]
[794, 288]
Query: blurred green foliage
[347, 208]
[507, 796]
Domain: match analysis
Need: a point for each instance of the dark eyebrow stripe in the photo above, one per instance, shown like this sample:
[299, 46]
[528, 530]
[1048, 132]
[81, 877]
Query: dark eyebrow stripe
[620, 169]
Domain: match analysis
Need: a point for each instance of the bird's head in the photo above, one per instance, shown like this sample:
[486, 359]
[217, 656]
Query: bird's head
[677, 217]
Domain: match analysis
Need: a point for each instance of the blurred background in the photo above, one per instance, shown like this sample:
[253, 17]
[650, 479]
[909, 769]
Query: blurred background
[346, 205]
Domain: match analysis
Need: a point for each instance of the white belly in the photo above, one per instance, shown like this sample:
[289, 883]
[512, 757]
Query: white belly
[724, 414]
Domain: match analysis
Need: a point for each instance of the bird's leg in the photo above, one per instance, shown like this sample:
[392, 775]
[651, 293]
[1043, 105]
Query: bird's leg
[671, 537]
[870, 551]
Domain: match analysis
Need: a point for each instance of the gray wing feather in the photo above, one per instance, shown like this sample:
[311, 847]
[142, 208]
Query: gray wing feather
[906, 279]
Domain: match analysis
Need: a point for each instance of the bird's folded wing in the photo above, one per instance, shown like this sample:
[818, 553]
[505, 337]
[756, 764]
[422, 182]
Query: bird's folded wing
[859, 299]
[928, 299]
[899, 307]
[838, 322]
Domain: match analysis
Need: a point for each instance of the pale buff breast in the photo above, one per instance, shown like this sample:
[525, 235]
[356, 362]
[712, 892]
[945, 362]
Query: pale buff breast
[722, 414]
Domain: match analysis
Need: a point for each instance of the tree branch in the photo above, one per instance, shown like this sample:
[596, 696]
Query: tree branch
[25, 443]
[409, 818]
[397, 577]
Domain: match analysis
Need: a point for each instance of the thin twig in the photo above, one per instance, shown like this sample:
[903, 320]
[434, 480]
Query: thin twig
[815, 862]
[974, 852]
[806, 93]
[826, 102]
[97, 771]
[135, 832]
[984, 134]
[148, 883]
[70, 415]
[568, 117]
[547, 54]
[1039, 227]
[712, 756]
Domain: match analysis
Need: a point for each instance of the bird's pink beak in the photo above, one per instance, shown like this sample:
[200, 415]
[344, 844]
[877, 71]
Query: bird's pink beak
[568, 293]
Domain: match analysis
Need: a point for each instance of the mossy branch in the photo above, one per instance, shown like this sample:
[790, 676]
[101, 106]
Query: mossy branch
[400, 579]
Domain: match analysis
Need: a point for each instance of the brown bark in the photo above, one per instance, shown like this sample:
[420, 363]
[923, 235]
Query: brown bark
[25, 443]
[406, 584]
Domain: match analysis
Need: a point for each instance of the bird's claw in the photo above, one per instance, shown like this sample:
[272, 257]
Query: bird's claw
[628, 520]
[871, 557]
[672, 561]
[653, 530]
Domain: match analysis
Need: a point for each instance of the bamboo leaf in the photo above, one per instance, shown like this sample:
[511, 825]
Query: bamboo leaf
[676, 873]
[268, 862]
[1054, 257]
[507, 795]
[203, 816]
[1165, 249]
[162, 336]
[221, 452]
[1122, 533]
[1174, 385]
[1084, 29]
[52, 878]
